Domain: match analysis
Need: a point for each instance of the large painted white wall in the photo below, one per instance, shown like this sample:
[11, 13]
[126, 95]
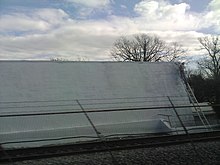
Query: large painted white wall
[34, 86]
[79, 80]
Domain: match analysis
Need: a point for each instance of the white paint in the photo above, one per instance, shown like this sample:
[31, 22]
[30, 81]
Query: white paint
[97, 85]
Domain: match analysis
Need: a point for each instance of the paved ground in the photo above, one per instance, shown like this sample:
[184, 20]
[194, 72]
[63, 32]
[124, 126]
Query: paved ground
[206, 153]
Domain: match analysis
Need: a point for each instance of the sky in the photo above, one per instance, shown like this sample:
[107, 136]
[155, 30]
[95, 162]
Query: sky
[87, 29]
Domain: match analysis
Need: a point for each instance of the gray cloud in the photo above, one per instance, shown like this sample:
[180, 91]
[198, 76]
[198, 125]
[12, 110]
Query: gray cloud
[49, 33]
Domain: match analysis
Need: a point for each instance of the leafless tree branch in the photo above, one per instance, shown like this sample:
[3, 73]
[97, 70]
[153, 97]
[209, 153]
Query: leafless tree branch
[211, 64]
[142, 47]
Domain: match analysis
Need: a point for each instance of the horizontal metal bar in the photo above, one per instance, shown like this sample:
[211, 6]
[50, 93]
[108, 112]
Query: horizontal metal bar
[117, 98]
[105, 110]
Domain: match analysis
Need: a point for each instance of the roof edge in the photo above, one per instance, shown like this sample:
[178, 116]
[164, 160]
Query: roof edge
[57, 61]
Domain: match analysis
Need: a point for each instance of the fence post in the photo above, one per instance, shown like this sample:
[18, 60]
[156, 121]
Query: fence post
[188, 135]
[181, 122]
[102, 138]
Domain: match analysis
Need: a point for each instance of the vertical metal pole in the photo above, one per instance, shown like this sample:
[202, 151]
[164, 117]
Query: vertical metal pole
[181, 122]
[102, 138]
[190, 139]
[90, 121]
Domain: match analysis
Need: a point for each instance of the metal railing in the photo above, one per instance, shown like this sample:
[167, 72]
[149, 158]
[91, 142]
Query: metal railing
[14, 111]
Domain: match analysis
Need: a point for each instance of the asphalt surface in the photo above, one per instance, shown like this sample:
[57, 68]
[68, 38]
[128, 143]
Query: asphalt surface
[201, 153]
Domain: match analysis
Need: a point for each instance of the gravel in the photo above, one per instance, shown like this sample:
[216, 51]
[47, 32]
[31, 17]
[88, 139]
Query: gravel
[202, 153]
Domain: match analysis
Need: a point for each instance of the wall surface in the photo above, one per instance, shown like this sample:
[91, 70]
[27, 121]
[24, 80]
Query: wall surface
[32, 87]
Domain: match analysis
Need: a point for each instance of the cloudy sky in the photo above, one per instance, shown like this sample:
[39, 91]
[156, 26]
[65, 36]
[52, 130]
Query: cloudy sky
[86, 29]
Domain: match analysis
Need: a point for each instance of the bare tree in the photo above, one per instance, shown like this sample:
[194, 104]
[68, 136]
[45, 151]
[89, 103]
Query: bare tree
[142, 47]
[211, 63]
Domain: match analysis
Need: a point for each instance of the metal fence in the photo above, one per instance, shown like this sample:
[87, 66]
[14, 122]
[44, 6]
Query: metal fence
[174, 110]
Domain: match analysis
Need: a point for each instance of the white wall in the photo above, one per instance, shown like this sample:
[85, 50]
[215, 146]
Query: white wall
[97, 85]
